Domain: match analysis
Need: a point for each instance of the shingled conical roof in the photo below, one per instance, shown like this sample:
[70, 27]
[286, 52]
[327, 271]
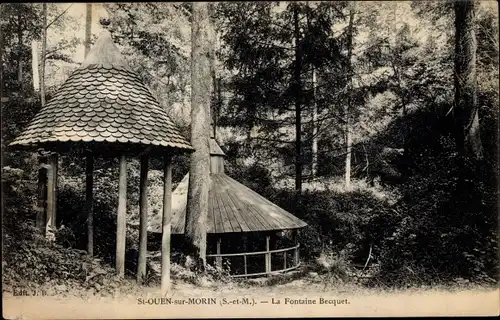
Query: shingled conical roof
[232, 207]
[103, 101]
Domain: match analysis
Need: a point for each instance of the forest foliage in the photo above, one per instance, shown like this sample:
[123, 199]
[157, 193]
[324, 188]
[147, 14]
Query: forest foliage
[383, 72]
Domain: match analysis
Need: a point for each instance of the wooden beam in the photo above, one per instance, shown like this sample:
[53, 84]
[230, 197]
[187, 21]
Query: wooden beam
[268, 255]
[296, 252]
[296, 256]
[245, 263]
[121, 218]
[245, 240]
[143, 222]
[54, 160]
[166, 225]
[41, 211]
[89, 198]
[218, 259]
[50, 200]
[51, 197]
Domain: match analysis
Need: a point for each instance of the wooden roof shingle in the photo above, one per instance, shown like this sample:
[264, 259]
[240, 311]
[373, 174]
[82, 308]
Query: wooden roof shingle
[103, 101]
[232, 207]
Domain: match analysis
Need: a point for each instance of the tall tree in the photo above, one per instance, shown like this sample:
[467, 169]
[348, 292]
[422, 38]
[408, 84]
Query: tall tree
[20, 48]
[216, 77]
[201, 86]
[88, 27]
[164, 62]
[44, 52]
[263, 41]
[1, 62]
[467, 134]
[298, 97]
[314, 147]
[348, 106]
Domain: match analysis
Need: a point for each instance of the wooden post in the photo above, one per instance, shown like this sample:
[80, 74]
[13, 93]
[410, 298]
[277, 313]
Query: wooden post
[41, 213]
[245, 250]
[143, 222]
[296, 256]
[284, 259]
[245, 263]
[218, 260]
[166, 225]
[268, 255]
[89, 186]
[54, 162]
[51, 198]
[121, 218]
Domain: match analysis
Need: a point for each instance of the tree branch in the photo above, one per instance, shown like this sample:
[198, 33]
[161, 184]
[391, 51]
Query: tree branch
[56, 18]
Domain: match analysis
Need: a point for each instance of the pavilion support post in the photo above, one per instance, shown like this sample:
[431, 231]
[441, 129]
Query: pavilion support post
[89, 198]
[218, 259]
[50, 200]
[296, 252]
[54, 162]
[166, 225]
[268, 254]
[284, 259]
[51, 197]
[297, 259]
[143, 222]
[41, 211]
[121, 218]
[245, 240]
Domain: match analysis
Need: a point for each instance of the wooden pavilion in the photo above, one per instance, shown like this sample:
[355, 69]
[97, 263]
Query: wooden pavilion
[104, 109]
[246, 231]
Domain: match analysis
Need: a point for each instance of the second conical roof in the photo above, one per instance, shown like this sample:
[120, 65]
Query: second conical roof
[232, 207]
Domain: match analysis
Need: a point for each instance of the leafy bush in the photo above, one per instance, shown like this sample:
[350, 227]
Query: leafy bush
[255, 176]
[30, 260]
[449, 223]
[347, 222]
[71, 202]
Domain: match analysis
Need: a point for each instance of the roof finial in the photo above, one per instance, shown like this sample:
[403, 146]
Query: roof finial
[105, 22]
[104, 19]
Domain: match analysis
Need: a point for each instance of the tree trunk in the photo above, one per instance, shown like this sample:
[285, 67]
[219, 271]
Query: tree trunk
[314, 165]
[1, 66]
[348, 141]
[88, 28]
[467, 134]
[348, 106]
[44, 50]
[20, 49]
[218, 106]
[199, 179]
[298, 88]
[35, 65]
[215, 88]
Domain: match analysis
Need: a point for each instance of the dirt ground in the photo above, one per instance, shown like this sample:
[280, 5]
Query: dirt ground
[301, 297]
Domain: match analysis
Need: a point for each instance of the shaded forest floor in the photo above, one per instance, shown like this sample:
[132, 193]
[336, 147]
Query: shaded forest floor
[59, 271]
[99, 282]
[70, 282]
[287, 285]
